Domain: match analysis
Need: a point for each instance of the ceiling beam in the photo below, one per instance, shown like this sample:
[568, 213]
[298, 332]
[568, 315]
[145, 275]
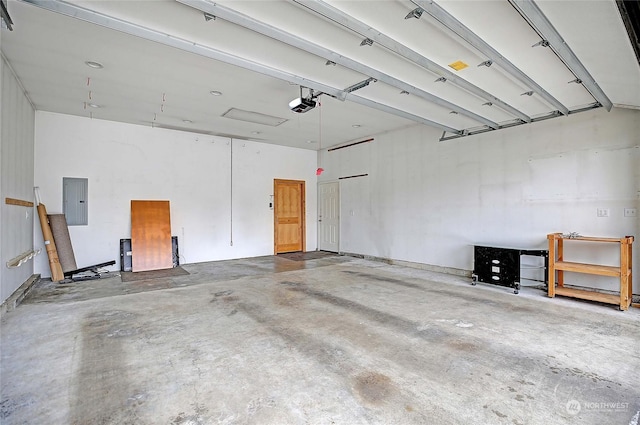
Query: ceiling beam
[397, 112]
[345, 20]
[539, 22]
[297, 42]
[482, 46]
[120, 25]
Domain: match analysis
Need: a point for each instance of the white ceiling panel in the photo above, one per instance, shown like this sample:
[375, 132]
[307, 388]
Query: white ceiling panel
[161, 71]
[596, 34]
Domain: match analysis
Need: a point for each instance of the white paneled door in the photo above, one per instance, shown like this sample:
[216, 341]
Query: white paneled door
[329, 217]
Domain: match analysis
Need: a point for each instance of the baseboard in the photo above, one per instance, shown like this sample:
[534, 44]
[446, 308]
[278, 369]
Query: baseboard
[18, 295]
[421, 266]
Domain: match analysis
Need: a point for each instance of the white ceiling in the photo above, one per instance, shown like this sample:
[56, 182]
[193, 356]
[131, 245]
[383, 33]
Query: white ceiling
[161, 69]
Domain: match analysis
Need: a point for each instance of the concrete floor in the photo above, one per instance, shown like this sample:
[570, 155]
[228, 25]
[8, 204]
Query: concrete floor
[332, 341]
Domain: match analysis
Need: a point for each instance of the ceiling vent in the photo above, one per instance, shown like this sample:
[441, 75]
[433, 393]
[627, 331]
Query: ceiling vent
[254, 117]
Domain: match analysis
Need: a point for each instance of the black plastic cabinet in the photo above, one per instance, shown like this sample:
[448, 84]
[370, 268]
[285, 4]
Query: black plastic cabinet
[501, 266]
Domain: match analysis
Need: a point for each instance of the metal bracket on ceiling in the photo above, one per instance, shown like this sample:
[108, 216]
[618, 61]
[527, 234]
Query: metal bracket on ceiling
[311, 96]
[330, 63]
[209, 17]
[360, 85]
[527, 93]
[487, 104]
[441, 80]
[543, 43]
[577, 81]
[367, 42]
[415, 13]
[486, 63]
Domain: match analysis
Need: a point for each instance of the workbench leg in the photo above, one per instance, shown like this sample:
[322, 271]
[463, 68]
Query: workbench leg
[560, 258]
[624, 275]
[630, 263]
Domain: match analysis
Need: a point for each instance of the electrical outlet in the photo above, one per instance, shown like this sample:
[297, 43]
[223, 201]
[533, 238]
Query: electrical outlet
[603, 212]
[630, 212]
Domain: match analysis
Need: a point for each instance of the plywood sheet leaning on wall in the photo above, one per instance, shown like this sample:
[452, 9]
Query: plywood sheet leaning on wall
[151, 235]
[54, 262]
[60, 231]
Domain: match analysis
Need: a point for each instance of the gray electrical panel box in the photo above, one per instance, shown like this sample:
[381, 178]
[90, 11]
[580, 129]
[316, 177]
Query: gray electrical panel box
[75, 197]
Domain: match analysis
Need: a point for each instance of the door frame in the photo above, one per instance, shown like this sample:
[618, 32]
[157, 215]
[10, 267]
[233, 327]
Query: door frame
[303, 209]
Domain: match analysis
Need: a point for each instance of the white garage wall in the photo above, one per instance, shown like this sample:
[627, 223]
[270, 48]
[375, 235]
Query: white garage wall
[16, 181]
[124, 162]
[428, 202]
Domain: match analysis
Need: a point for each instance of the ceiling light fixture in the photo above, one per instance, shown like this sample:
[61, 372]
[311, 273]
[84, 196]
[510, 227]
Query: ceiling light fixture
[356, 126]
[93, 105]
[94, 65]
[415, 13]
[215, 93]
[187, 121]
